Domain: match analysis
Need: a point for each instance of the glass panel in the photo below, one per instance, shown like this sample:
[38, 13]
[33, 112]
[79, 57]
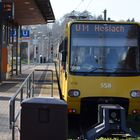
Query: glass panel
[104, 42]
[105, 51]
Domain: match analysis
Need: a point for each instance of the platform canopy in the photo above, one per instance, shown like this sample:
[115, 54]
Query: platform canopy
[31, 12]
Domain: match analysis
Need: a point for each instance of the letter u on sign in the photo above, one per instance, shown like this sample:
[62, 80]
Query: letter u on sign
[25, 33]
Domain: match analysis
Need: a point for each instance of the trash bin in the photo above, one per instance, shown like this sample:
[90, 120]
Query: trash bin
[43, 119]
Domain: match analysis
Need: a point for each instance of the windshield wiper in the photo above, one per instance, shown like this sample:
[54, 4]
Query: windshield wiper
[99, 68]
[124, 69]
[111, 69]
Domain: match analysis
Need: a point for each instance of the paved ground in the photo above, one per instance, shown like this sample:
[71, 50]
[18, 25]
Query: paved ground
[9, 87]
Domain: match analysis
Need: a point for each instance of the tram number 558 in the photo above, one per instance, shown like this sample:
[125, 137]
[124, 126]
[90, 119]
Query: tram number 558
[106, 85]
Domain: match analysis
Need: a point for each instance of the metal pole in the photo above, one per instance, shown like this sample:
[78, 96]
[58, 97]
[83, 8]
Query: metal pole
[20, 51]
[1, 40]
[49, 51]
[28, 53]
[12, 55]
[105, 14]
[52, 84]
[13, 120]
[33, 82]
[17, 50]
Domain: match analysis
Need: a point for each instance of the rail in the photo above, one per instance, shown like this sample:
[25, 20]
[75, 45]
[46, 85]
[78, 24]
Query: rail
[50, 82]
[26, 90]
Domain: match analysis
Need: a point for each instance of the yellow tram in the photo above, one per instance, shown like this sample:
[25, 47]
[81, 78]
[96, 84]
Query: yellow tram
[100, 64]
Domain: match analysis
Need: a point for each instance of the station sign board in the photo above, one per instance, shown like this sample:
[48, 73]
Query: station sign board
[24, 33]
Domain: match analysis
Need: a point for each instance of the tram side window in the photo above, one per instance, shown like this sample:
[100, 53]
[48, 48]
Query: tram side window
[130, 60]
[63, 51]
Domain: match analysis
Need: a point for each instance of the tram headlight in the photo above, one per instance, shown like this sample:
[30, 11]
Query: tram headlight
[74, 93]
[135, 94]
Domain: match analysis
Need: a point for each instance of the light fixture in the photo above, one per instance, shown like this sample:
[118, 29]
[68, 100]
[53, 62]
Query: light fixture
[31, 8]
[27, 2]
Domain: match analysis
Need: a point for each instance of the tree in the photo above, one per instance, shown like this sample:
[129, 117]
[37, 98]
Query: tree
[58, 28]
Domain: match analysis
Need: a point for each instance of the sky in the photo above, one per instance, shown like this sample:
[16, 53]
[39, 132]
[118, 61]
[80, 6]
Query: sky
[116, 9]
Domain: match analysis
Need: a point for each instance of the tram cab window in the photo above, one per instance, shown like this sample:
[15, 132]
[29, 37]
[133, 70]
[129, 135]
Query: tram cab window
[104, 52]
[112, 59]
[63, 51]
[90, 57]
[77, 56]
[83, 58]
[130, 61]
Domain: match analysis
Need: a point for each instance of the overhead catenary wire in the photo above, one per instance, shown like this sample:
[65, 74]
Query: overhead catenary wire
[78, 5]
[83, 2]
[89, 4]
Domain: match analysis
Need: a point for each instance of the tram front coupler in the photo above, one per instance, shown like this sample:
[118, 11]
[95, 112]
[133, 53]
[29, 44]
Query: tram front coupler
[111, 120]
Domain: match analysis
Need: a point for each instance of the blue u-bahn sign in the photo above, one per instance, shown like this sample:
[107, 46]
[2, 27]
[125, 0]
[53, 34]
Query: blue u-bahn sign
[24, 33]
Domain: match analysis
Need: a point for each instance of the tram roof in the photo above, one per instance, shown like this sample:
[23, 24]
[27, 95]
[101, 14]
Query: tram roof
[31, 12]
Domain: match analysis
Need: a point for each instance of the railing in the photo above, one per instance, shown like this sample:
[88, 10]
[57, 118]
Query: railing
[26, 90]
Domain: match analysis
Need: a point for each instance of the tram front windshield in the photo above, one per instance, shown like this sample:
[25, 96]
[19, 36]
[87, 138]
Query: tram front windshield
[111, 48]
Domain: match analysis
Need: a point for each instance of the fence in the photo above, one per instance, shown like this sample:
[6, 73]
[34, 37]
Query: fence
[26, 90]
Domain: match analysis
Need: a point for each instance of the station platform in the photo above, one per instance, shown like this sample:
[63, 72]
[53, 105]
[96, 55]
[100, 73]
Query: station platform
[9, 87]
